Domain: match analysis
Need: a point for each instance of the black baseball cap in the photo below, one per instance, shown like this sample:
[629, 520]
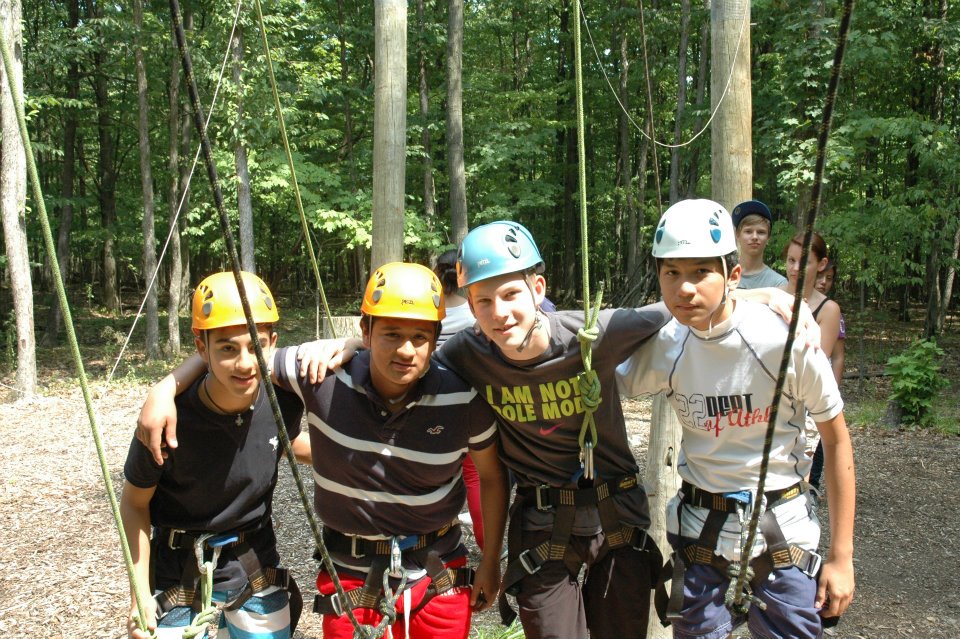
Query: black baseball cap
[750, 207]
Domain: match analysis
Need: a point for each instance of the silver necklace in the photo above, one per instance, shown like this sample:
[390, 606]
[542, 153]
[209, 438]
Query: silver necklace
[238, 421]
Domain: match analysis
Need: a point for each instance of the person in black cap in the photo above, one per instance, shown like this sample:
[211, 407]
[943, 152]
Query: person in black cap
[752, 219]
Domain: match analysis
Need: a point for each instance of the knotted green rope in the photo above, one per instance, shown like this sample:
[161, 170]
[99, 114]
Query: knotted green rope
[588, 381]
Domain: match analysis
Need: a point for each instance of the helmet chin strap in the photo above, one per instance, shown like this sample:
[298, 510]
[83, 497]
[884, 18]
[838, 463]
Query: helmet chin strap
[537, 321]
[723, 300]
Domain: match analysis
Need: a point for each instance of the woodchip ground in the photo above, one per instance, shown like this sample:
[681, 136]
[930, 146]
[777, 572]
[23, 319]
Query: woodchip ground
[61, 573]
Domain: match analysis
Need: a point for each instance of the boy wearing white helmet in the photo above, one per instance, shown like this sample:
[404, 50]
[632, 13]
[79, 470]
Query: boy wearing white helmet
[717, 361]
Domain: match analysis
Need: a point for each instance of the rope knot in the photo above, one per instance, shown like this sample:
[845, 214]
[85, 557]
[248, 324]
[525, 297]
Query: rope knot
[589, 384]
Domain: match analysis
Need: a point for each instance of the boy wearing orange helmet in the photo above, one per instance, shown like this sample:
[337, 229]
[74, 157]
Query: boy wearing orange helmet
[404, 425]
[230, 440]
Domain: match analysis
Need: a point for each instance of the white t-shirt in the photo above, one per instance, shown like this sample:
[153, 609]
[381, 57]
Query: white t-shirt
[721, 387]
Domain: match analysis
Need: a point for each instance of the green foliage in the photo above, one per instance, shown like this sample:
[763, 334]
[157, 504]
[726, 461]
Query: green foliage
[917, 380]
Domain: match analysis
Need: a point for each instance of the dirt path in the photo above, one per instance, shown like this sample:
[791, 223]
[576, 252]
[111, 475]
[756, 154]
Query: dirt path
[61, 570]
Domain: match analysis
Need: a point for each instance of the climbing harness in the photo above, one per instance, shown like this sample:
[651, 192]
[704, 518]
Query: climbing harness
[386, 557]
[778, 554]
[564, 503]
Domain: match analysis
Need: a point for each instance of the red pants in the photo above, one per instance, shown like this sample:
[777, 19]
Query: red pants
[471, 479]
[446, 616]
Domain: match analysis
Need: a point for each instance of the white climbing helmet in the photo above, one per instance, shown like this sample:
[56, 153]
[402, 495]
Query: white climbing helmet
[694, 228]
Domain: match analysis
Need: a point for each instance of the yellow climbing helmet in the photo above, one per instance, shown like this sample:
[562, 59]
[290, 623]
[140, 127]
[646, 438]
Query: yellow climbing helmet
[408, 291]
[216, 302]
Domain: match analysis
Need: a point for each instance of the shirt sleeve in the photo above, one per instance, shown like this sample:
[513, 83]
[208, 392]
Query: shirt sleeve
[817, 385]
[483, 424]
[140, 469]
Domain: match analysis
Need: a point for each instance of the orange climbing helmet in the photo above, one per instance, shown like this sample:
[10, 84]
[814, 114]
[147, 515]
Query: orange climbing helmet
[216, 302]
[408, 291]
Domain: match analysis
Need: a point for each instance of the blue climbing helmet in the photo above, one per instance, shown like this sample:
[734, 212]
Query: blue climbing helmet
[496, 249]
[694, 228]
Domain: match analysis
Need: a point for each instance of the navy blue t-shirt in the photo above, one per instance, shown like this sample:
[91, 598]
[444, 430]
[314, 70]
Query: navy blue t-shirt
[220, 478]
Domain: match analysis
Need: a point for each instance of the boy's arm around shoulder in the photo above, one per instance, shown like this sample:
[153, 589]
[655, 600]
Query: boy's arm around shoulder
[158, 415]
[135, 514]
[836, 583]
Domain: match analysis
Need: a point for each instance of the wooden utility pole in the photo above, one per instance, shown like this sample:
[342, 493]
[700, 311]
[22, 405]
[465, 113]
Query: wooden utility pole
[731, 135]
[389, 130]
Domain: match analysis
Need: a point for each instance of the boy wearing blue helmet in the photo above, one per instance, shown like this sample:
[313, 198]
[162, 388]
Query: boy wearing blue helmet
[717, 361]
[526, 362]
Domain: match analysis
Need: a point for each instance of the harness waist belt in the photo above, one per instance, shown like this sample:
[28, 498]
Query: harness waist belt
[547, 497]
[727, 503]
[357, 547]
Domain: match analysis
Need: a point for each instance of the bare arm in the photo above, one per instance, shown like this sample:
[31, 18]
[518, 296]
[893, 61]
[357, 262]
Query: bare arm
[301, 448]
[836, 583]
[158, 416]
[829, 321]
[837, 359]
[135, 514]
[493, 505]
[317, 357]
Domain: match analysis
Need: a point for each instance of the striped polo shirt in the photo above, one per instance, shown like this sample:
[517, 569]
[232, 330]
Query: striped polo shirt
[382, 473]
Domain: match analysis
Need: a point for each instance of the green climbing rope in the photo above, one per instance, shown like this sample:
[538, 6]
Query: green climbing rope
[588, 381]
[39, 203]
[293, 171]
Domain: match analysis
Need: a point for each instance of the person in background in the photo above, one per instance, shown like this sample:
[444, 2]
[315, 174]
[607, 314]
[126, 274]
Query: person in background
[825, 280]
[459, 317]
[752, 220]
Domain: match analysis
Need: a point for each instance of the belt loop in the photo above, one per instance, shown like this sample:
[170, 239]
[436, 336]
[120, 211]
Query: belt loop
[353, 548]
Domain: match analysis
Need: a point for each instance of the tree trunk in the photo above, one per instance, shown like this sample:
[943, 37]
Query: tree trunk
[146, 183]
[693, 171]
[624, 201]
[457, 175]
[948, 282]
[55, 313]
[681, 99]
[429, 192]
[389, 130]
[173, 167]
[732, 146]
[106, 172]
[347, 112]
[244, 203]
[13, 192]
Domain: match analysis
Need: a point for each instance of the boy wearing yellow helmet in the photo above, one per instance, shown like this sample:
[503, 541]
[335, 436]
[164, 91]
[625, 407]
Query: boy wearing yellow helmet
[230, 440]
[404, 425]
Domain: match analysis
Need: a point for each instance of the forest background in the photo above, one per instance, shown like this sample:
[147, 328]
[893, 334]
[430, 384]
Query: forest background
[111, 126]
[103, 87]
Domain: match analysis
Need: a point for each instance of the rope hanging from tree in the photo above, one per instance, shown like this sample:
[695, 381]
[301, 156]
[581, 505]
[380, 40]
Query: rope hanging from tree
[293, 172]
[588, 381]
[360, 631]
[50, 247]
[739, 601]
